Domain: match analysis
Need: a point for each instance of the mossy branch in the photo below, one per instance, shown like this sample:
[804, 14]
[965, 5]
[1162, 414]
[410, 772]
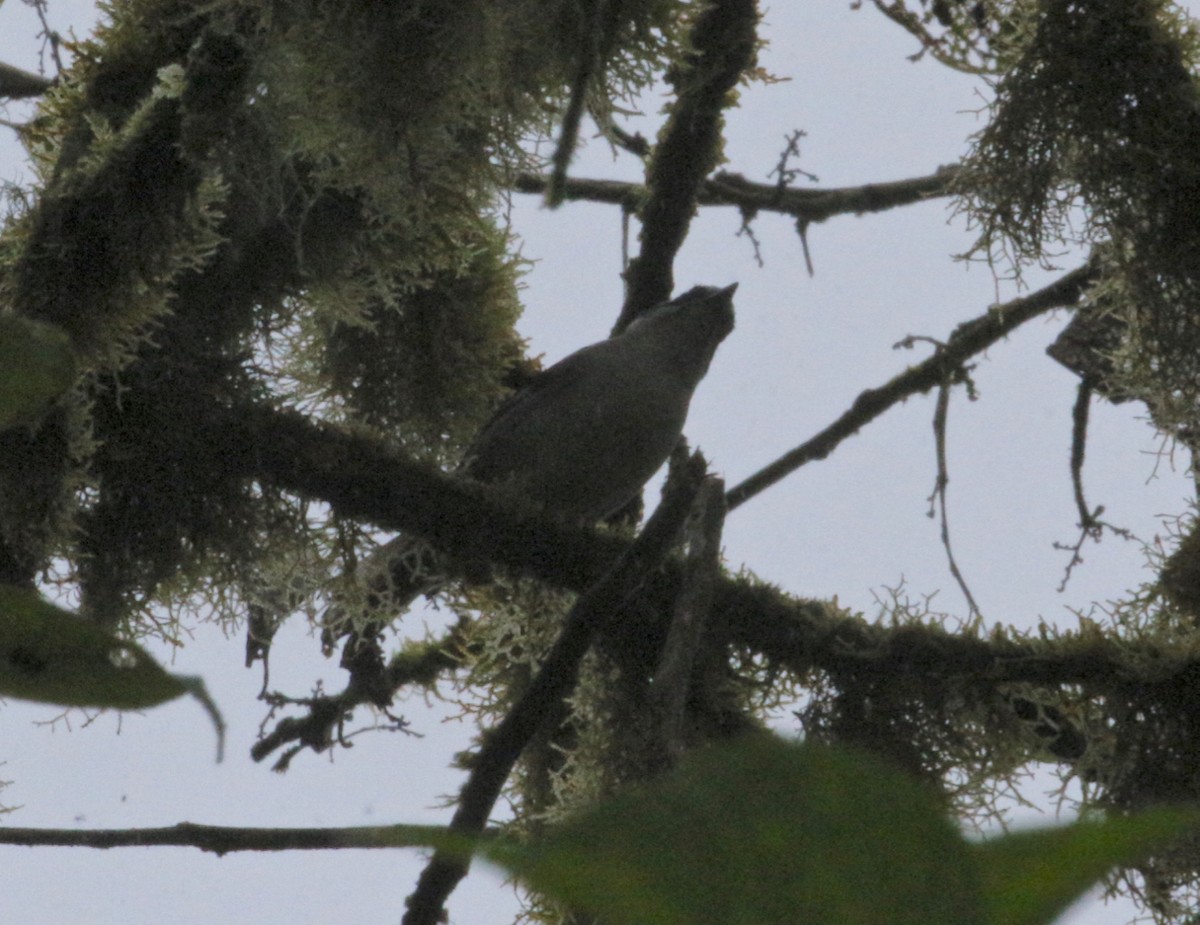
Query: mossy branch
[359, 477]
[731, 189]
[723, 43]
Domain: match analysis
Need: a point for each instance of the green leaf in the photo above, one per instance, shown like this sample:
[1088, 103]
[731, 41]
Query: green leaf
[1029, 878]
[53, 656]
[760, 833]
[36, 366]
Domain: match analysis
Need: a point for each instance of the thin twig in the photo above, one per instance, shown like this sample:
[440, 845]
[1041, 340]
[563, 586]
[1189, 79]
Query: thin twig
[1091, 527]
[968, 339]
[420, 664]
[1079, 424]
[49, 35]
[940, 414]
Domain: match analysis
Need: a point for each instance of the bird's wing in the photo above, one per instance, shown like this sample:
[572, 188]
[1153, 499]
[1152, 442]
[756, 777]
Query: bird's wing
[542, 389]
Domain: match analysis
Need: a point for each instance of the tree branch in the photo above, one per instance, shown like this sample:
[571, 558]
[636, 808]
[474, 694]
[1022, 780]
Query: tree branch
[542, 702]
[675, 673]
[360, 478]
[223, 839]
[968, 339]
[730, 189]
[16, 84]
[420, 664]
[723, 42]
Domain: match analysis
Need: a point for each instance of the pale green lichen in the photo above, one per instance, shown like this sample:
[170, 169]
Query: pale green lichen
[369, 146]
[1093, 141]
[972, 36]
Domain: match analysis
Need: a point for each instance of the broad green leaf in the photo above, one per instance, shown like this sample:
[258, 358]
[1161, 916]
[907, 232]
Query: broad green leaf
[1029, 878]
[756, 834]
[51, 655]
[36, 366]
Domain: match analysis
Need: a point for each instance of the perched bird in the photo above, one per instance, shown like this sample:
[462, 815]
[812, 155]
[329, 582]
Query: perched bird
[585, 435]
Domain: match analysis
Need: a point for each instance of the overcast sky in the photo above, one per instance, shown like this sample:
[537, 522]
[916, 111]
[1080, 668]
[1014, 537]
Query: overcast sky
[849, 526]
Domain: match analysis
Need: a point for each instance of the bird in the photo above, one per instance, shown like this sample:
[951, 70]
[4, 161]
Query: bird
[581, 439]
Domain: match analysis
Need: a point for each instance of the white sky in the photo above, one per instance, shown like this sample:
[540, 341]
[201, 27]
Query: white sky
[803, 349]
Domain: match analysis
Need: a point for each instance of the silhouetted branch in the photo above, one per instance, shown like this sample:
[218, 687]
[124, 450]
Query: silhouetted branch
[969, 338]
[16, 84]
[730, 189]
[1091, 527]
[223, 839]
[420, 664]
[542, 701]
[675, 673]
[723, 43]
[362, 479]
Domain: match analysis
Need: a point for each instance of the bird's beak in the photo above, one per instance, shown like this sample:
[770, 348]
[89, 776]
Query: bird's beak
[729, 290]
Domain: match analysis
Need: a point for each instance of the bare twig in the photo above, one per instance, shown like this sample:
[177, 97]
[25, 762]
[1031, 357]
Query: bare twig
[747, 230]
[785, 174]
[48, 35]
[939, 492]
[802, 232]
[1091, 527]
[1079, 423]
[968, 339]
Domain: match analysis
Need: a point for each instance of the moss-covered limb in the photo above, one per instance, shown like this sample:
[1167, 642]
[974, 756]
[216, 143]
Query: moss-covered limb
[375, 683]
[363, 479]
[933, 697]
[164, 496]
[366, 480]
[726, 189]
[324, 174]
[722, 48]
